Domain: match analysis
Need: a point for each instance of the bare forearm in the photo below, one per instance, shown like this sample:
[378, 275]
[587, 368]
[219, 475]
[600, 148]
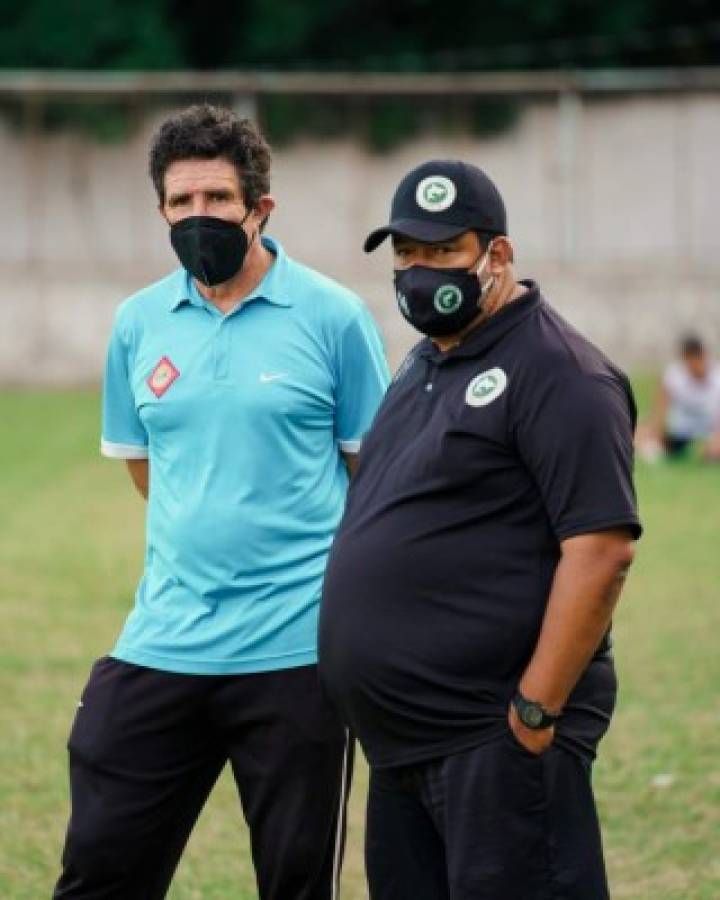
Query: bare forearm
[351, 461]
[140, 473]
[585, 591]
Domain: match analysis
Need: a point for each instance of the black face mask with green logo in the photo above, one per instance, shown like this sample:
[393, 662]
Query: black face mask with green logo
[439, 302]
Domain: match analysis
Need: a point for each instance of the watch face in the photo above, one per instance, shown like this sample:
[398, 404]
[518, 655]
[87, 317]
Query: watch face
[532, 715]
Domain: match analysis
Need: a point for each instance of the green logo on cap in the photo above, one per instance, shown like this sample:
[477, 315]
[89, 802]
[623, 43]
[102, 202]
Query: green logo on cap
[448, 299]
[435, 193]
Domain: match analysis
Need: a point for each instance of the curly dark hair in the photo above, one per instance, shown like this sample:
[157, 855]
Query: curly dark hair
[203, 131]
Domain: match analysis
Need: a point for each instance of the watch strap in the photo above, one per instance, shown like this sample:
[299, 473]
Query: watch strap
[533, 714]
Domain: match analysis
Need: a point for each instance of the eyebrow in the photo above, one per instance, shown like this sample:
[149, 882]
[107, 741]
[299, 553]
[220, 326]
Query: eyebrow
[177, 198]
[184, 196]
[223, 192]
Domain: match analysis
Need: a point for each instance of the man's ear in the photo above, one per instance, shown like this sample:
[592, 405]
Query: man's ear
[501, 253]
[263, 208]
[161, 210]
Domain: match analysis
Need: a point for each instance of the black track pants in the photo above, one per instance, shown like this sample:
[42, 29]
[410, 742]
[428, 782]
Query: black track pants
[146, 748]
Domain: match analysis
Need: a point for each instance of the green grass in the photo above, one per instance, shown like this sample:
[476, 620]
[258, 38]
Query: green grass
[70, 554]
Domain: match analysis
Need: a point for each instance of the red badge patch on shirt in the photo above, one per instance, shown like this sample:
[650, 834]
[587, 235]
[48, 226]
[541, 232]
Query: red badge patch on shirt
[162, 376]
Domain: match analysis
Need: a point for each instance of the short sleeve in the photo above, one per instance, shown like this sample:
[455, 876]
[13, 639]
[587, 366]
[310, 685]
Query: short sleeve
[361, 379]
[123, 434]
[577, 442]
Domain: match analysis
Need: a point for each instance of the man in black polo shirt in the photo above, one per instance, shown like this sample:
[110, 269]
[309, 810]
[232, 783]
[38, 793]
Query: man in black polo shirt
[464, 630]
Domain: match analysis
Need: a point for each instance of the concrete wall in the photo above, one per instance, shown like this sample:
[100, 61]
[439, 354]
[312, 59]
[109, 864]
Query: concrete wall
[612, 206]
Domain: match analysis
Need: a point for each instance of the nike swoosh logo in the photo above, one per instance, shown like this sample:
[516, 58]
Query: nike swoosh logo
[265, 377]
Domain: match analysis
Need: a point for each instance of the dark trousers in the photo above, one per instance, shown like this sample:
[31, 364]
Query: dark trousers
[146, 748]
[492, 823]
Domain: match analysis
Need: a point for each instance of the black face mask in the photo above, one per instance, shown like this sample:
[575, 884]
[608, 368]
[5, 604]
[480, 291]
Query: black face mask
[439, 302]
[211, 249]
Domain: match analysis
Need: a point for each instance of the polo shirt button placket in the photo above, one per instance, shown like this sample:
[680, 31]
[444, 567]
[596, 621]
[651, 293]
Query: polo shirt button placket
[221, 354]
[430, 376]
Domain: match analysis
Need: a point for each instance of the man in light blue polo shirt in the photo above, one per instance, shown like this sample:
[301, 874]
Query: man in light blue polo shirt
[238, 390]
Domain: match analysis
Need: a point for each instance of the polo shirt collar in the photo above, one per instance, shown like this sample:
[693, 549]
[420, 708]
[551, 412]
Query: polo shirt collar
[272, 287]
[482, 338]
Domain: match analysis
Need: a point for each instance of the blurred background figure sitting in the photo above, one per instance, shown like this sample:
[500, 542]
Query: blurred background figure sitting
[687, 407]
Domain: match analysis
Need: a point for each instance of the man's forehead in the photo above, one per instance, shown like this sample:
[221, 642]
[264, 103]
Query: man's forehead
[199, 173]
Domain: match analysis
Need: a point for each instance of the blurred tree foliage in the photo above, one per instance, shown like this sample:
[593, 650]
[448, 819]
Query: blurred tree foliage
[90, 34]
[354, 35]
[429, 35]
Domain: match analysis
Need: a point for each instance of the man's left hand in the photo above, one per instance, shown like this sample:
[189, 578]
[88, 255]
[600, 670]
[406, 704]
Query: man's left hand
[536, 741]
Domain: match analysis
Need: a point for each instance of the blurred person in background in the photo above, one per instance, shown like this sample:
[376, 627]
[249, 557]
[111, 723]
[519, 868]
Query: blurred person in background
[466, 612]
[238, 390]
[686, 408]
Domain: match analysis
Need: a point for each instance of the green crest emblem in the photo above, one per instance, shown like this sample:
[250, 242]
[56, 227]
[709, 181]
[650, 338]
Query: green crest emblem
[447, 299]
[435, 193]
[486, 387]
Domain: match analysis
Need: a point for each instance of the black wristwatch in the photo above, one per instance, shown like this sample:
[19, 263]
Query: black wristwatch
[533, 715]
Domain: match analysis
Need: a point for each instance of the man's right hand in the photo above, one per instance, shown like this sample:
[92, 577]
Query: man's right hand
[535, 741]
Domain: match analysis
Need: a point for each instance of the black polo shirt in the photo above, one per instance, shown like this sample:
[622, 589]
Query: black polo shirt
[481, 460]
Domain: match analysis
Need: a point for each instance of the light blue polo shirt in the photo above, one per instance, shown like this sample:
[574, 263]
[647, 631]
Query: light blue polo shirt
[242, 417]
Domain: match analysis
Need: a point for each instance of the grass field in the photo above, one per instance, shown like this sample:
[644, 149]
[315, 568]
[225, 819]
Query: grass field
[70, 554]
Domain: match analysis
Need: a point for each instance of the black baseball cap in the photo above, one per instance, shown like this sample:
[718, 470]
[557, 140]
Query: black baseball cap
[440, 200]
